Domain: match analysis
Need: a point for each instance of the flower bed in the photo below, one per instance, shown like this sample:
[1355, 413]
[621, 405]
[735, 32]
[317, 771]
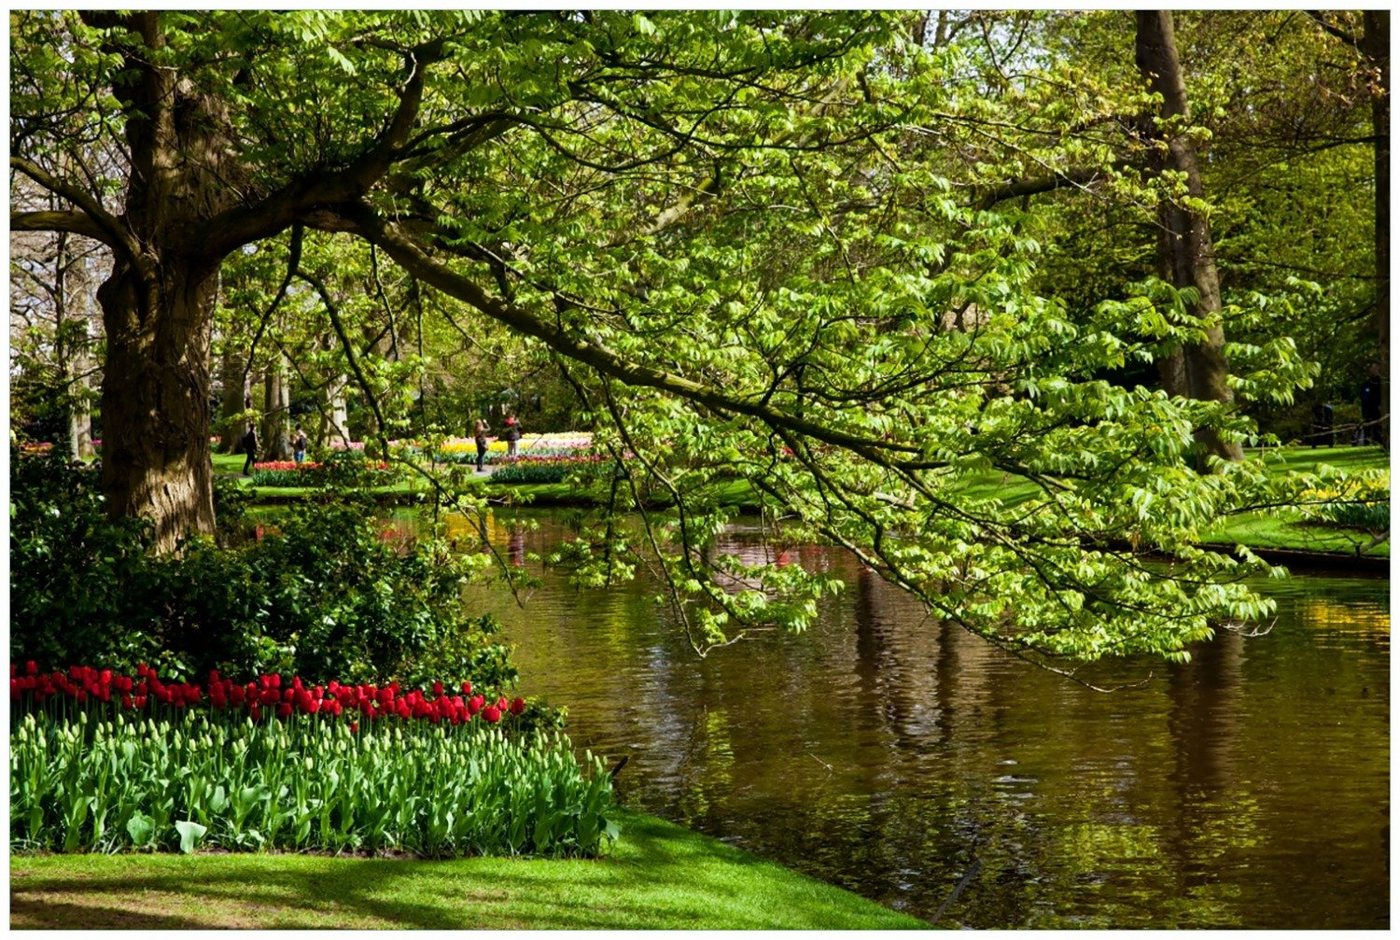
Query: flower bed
[543, 469]
[463, 449]
[193, 780]
[101, 761]
[311, 473]
[264, 696]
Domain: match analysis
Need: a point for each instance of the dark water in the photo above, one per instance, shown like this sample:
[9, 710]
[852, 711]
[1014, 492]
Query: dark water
[899, 757]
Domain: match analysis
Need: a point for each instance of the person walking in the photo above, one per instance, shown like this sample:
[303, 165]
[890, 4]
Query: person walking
[480, 434]
[1371, 407]
[298, 444]
[512, 436]
[250, 447]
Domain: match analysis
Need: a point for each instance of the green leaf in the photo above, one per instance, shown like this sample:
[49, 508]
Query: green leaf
[190, 834]
[141, 828]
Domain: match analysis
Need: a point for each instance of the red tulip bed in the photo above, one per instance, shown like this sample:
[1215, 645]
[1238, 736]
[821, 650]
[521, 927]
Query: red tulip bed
[101, 761]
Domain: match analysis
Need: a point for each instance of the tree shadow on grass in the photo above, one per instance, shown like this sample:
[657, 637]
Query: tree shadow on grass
[660, 876]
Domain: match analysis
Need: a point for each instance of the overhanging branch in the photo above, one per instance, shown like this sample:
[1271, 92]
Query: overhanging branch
[368, 225]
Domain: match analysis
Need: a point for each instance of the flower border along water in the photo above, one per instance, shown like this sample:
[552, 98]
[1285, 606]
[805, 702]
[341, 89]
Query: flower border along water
[261, 765]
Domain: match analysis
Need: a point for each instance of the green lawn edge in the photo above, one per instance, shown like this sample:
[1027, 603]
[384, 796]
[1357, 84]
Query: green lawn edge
[658, 876]
[1282, 530]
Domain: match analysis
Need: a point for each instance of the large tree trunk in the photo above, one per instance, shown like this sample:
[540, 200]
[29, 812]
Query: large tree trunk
[155, 400]
[158, 303]
[1376, 45]
[1186, 254]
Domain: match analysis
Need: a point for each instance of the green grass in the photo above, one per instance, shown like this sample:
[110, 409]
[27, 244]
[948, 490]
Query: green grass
[1284, 529]
[659, 876]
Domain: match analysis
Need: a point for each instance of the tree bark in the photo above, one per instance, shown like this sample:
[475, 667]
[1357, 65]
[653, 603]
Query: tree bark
[155, 401]
[158, 302]
[1375, 44]
[1186, 254]
[276, 407]
[72, 342]
[233, 401]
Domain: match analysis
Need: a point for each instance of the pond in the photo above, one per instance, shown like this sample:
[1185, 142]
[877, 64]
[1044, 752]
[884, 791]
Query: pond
[903, 759]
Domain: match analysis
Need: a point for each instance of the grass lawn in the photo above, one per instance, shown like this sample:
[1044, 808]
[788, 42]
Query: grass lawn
[1284, 529]
[659, 876]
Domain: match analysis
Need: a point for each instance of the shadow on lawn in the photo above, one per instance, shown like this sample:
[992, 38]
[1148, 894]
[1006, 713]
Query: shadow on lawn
[658, 876]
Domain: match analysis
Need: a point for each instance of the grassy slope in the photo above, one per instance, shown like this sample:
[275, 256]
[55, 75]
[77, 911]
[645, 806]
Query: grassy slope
[1284, 529]
[659, 876]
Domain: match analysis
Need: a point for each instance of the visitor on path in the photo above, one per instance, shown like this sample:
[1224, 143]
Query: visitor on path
[1322, 432]
[1371, 407]
[250, 447]
[299, 445]
[512, 436]
[481, 430]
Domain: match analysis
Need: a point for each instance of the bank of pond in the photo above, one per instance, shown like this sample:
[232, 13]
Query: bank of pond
[1287, 536]
[343, 792]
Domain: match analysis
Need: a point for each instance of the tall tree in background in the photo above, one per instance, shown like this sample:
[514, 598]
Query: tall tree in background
[1186, 254]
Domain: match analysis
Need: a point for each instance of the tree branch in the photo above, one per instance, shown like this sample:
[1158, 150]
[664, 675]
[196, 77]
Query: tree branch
[274, 213]
[1335, 30]
[1070, 179]
[103, 225]
[364, 222]
[79, 223]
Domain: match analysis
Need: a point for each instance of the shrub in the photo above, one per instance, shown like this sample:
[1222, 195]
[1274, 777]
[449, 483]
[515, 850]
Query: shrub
[75, 576]
[323, 595]
[193, 780]
[1361, 501]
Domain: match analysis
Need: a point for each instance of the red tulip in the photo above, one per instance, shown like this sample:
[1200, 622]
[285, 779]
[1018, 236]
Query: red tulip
[466, 688]
[491, 713]
[31, 667]
[284, 710]
[517, 707]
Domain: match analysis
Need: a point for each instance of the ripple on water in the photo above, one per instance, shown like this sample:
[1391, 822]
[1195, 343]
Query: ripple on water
[884, 752]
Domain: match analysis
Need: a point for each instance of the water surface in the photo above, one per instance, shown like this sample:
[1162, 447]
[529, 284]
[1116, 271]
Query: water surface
[901, 758]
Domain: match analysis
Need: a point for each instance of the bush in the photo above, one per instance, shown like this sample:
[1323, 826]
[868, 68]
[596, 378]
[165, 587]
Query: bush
[193, 780]
[74, 575]
[1362, 501]
[324, 594]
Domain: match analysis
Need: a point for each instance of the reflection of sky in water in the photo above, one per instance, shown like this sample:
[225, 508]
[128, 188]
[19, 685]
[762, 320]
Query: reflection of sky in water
[892, 754]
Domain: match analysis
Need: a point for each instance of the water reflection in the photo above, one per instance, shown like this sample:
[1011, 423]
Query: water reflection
[897, 756]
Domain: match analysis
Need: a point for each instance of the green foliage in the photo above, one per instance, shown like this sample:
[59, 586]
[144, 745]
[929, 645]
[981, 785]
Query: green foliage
[1359, 500]
[771, 246]
[74, 574]
[194, 782]
[324, 594]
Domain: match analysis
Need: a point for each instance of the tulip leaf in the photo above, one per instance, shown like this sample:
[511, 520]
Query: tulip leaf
[190, 834]
[141, 828]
